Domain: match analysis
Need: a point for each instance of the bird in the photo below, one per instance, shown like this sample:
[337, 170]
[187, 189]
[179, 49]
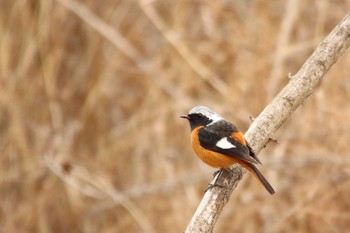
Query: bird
[219, 143]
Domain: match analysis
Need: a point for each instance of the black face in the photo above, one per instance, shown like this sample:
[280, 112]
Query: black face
[197, 119]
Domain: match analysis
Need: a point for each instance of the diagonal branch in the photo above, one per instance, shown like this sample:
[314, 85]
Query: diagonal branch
[274, 115]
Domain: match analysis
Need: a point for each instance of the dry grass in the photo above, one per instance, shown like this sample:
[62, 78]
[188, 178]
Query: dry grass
[90, 94]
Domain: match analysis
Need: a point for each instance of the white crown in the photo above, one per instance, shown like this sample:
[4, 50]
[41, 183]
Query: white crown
[206, 112]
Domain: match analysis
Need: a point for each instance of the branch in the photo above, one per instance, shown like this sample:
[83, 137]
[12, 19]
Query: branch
[274, 115]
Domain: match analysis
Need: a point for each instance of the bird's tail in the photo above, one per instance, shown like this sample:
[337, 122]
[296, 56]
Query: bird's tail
[254, 170]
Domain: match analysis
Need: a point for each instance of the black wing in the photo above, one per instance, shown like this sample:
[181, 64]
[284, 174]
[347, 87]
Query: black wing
[252, 153]
[208, 139]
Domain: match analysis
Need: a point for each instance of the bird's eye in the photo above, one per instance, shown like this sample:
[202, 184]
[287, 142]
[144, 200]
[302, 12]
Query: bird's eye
[196, 116]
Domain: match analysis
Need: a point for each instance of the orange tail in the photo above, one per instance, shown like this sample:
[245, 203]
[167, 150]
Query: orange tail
[259, 176]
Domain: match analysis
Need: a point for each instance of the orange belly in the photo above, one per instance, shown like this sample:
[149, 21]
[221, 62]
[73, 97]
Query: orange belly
[211, 158]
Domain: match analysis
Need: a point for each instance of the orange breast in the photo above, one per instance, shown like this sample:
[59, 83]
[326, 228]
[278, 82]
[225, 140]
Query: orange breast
[211, 158]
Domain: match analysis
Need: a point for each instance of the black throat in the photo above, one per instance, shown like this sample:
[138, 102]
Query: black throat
[198, 120]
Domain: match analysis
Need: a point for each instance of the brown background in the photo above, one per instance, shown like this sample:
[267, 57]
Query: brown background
[90, 94]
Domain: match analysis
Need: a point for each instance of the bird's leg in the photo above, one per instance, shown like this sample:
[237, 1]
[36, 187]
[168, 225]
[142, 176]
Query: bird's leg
[216, 176]
[218, 172]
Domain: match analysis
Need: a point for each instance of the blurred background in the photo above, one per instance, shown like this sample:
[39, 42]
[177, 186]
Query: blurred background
[90, 97]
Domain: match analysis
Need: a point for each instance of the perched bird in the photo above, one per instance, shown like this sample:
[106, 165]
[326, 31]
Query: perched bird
[219, 143]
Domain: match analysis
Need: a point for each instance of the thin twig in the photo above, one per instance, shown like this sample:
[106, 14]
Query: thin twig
[172, 37]
[86, 182]
[105, 30]
[121, 43]
[285, 32]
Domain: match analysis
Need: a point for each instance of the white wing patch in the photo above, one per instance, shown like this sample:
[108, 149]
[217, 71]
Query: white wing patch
[225, 144]
[215, 118]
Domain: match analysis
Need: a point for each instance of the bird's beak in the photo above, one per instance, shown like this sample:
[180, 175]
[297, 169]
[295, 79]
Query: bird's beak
[185, 117]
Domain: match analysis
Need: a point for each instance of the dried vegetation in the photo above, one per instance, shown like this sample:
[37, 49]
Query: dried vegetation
[90, 93]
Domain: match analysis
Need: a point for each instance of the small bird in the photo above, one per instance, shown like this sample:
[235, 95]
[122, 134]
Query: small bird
[219, 143]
